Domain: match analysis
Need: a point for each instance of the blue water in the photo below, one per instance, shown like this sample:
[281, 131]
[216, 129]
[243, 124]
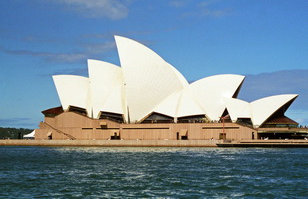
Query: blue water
[76, 172]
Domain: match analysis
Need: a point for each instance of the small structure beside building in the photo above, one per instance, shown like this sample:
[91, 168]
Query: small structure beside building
[30, 135]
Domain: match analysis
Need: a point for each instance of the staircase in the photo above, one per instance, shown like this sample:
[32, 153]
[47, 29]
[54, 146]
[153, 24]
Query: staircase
[61, 132]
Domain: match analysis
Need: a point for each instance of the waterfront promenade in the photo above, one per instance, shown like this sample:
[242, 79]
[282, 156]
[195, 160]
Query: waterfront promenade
[113, 143]
[157, 143]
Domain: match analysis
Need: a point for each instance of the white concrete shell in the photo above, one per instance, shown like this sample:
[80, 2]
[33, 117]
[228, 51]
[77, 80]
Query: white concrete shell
[238, 108]
[106, 87]
[73, 91]
[211, 91]
[148, 78]
[188, 105]
[263, 108]
[180, 104]
[260, 110]
[169, 106]
[146, 83]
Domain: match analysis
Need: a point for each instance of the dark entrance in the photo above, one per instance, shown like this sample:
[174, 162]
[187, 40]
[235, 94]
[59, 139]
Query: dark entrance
[115, 136]
[222, 136]
[184, 137]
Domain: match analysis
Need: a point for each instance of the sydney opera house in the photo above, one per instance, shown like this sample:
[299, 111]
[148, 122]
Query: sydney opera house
[147, 98]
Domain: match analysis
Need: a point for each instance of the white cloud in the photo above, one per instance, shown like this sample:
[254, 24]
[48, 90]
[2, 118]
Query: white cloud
[112, 9]
[86, 48]
[98, 48]
[49, 56]
[86, 51]
[205, 8]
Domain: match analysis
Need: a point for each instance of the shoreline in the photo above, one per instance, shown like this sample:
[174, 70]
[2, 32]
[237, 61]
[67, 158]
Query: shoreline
[157, 143]
[113, 143]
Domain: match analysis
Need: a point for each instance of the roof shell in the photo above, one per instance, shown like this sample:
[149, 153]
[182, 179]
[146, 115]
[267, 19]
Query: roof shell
[146, 83]
[188, 105]
[148, 78]
[106, 86]
[211, 91]
[238, 108]
[263, 108]
[73, 90]
[169, 105]
[180, 104]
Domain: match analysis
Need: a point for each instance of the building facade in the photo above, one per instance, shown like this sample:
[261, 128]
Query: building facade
[148, 98]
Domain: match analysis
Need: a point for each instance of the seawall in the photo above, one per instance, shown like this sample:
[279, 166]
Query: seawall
[157, 143]
[113, 143]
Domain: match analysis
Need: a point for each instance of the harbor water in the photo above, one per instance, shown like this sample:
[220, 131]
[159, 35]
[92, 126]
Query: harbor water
[115, 172]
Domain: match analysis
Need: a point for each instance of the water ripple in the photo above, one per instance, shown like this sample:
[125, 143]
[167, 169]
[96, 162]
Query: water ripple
[93, 172]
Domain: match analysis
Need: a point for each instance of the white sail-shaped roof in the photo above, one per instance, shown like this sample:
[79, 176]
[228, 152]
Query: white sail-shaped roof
[211, 91]
[169, 106]
[115, 101]
[148, 78]
[238, 108]
[180, 104]
[188, 106]
[146, 83]
[263, 108]
[259, 110]
[73, 91]
[106, 86]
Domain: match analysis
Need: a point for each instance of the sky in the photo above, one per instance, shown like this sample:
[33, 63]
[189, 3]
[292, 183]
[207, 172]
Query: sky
[265, 40]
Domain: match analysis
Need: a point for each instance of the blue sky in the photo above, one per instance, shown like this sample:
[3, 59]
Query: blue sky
[264, 40]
